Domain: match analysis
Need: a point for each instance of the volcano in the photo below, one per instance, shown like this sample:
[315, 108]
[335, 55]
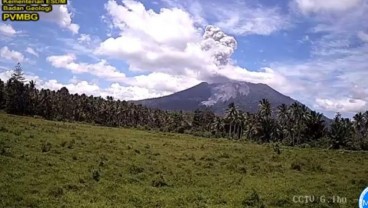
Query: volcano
[217, 96]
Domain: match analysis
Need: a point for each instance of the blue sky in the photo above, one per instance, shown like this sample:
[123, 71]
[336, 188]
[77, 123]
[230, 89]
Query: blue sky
[313, 51]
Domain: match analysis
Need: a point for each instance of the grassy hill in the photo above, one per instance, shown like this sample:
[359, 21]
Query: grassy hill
[55, 164]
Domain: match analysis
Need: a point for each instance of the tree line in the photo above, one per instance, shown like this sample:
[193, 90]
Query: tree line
[293, 125]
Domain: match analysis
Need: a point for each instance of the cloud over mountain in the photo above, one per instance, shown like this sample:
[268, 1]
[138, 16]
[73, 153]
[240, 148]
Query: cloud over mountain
[313, 51]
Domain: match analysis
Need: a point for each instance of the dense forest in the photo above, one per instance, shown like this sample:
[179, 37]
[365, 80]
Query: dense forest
[293, 125]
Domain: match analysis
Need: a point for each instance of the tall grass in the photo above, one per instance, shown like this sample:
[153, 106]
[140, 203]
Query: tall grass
[55, 164]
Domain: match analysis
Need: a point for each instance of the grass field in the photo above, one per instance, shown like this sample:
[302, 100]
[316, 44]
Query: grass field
[55, 164]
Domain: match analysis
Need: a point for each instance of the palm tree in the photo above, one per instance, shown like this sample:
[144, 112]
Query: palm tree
[265, 123]
[250, 125]
[241, 122]
[340, 132]
[283, 121]
[218, 126]
[231, 115]
[265, 108]
[315, 126]
[296, 112]
[2, 94]
[361, 128]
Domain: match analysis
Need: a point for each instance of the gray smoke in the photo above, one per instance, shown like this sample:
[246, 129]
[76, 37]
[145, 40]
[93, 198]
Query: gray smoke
[218, 44]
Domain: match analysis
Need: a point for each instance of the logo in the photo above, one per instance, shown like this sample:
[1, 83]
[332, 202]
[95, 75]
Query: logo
[363, 200]
[27, 10]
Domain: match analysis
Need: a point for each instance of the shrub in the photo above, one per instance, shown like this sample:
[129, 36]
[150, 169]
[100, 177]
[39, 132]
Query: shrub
[63, 143]
[46, 147]
[276, 148]
[71, 144]
[56, 192]
[135, 169]
[253, 200]
[5, 151]
[304, 145]
[224, 155]
[297, 165]
[96, 175]
[3, 129]
[75, 157]
[242, 169]
[159, 181]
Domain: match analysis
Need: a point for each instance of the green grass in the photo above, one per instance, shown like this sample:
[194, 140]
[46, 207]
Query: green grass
[55, 164]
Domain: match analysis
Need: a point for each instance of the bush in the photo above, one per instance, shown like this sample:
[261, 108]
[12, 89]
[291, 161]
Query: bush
[180, 130]
[96, 175]
[297, 165]
[71, 144]
[46, 147]
[224, 155]
[276, 148]
[305, 145]
[253, 200]
[63, 143]
[3, 129]
[5, 151]
[159, 181]
[75, 157]
[56, 192]
[135, 169]
[364, 146]
[242, 169]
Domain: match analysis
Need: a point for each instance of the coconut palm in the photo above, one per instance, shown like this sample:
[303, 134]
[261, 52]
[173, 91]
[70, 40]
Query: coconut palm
[231, 115]
[265, 124]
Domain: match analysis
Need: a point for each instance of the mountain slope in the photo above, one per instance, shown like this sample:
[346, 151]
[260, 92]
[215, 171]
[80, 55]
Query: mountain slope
[217, 96]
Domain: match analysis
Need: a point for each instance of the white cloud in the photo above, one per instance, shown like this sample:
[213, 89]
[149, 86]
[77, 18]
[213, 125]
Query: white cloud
[342, 105]
[243, 20]
[77, 87]
[168, 48]
[115, 90]
[62, 60]
[145, 86]
[307, 6]
[81, 47]
[235, 17]
[363, 36]
[84, 38]
[177, 52]
[334, 77]
[177, 60]
[172, 27]
[13, 55]
[101, 69]
[6, 74]
[339, 75]
[61, 16]
[162, 42]
[161, 83]
[7, 30]
[31, 51]
[129, 92]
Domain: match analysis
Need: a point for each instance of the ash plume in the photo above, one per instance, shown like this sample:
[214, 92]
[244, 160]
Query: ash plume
[218, 44]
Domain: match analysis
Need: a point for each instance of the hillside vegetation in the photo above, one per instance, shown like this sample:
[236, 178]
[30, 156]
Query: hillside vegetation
[55, 164]
[293, 125]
